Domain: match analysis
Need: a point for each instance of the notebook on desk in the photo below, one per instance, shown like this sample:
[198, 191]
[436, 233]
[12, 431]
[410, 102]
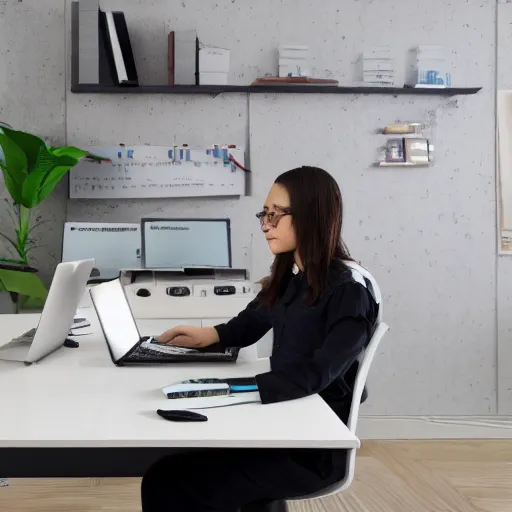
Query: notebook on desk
[127, 346]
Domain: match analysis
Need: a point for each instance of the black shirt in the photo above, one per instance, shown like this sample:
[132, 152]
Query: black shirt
[315, 347]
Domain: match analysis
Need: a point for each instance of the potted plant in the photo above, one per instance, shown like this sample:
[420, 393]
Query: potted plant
[31, 170]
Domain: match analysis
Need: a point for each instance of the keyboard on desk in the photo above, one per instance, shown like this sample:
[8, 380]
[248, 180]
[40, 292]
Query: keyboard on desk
[162, 353]
[24, 339]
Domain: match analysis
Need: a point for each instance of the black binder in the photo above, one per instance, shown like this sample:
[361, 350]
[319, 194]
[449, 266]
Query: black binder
[117, 65]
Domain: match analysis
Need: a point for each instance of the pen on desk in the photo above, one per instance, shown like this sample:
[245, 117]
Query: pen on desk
[243, 389]
[195, 390]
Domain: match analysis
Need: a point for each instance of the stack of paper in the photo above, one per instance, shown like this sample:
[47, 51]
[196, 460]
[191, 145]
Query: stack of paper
[377, 66]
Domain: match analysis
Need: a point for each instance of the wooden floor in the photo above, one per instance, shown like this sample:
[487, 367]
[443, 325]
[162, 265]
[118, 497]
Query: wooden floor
[419, 476]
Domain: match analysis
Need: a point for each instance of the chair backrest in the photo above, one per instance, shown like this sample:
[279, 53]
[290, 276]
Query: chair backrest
[361, 275]
[366, 357]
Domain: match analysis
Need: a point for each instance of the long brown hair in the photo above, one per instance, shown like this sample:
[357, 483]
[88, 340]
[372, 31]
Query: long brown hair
[317, 213]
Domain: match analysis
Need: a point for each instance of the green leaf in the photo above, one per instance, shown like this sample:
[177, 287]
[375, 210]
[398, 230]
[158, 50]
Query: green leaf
[78, 153]
[36, 180]
[56, 174]
[10, 260]
[70, 151]
[29, 144]
[31, 169]
[24, 283]
[14, 168]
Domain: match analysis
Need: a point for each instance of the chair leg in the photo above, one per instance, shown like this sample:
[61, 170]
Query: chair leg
[274, 506]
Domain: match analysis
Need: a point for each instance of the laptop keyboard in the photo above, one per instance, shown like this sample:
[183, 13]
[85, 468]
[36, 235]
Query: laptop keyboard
[167, 349]
[29, 334]
[152, 351]
[23, 339]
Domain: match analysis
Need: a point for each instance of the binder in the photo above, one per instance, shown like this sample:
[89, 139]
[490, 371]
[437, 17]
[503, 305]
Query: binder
[186, 57]
[116, 40]
[88, 42]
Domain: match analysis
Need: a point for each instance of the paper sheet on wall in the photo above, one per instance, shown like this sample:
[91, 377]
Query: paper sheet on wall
[505, 170]
[133, 172]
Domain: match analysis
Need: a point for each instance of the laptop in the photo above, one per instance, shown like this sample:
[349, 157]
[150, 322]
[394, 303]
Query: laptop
[125, 344]
[66, 290]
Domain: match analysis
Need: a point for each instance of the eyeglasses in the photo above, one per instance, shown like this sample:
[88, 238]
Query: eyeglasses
[272, 218]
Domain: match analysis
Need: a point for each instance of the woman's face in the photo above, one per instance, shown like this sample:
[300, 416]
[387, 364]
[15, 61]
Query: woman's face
[277, 221]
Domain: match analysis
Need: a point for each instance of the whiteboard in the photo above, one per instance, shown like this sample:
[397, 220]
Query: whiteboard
[158, 172]
[112, 245]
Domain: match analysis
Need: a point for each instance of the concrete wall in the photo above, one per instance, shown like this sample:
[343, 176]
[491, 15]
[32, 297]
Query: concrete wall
[429, 236]
[33, 98]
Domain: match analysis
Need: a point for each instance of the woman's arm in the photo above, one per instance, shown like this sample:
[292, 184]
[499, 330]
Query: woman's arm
[245, 329]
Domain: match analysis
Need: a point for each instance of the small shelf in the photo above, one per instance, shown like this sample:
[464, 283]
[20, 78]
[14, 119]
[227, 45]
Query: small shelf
[402, 164]
[255, 89]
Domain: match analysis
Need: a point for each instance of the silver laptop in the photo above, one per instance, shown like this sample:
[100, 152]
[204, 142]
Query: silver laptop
[67, 288]
[125, 343]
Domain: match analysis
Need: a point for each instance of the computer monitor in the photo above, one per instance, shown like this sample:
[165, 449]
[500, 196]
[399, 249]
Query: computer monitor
[113, 245]
[179, 243]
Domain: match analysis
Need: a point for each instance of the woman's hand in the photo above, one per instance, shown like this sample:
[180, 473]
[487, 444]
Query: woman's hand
[189, 336]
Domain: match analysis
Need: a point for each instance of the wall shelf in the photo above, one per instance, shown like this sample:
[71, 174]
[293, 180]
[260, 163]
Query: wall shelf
[402, 164]
[107, 86]
[254, 89]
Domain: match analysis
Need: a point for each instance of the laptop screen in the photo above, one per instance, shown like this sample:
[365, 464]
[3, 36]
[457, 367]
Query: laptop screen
[115, 317]
[178, 243]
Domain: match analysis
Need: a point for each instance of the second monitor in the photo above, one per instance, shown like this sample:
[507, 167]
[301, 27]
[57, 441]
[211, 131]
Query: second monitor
[178, 243]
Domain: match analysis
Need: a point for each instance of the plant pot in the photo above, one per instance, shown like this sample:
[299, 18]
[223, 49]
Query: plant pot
[7, 304]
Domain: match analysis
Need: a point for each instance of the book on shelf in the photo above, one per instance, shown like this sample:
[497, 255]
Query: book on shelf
[115, 39]
[170, 57]
[184, 54]
[86, 13]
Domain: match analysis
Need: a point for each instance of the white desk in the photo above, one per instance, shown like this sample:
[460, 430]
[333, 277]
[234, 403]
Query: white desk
[77, 398]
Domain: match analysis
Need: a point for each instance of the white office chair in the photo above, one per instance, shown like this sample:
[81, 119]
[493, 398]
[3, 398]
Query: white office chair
[361, 275]
[365, 361]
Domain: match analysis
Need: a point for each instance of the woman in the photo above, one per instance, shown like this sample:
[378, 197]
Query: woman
[322, 319]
